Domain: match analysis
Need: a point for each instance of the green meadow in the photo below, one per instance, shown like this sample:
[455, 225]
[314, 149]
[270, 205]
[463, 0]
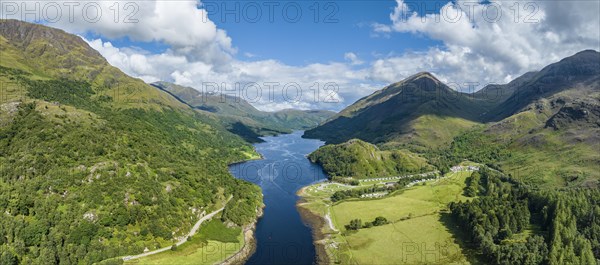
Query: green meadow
[416, 232]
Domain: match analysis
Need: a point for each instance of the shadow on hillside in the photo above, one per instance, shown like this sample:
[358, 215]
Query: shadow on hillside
[462, 239]
[245, 132]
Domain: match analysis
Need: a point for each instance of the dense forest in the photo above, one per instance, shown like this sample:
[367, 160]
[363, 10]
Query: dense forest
[82, 181]
[511, 223]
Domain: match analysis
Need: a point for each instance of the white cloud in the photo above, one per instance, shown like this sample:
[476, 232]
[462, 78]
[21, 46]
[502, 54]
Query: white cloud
[475, 48]
[182, 25]
[327, 86]
[198, 52]
[353, 58]
[489, 42]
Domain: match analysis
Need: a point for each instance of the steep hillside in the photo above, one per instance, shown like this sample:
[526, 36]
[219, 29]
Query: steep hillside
[419, 107]
[53, 54]
[494, 94]
[95, 164]
[572, 72]
[241, 117]
[554, 140]
[549, 132]
[541, 128]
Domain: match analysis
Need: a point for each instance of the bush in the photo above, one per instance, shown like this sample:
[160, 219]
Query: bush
[354, 225]
[380, 221]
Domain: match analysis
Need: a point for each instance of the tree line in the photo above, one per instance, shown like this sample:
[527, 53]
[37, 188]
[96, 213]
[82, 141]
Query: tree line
[564, 224]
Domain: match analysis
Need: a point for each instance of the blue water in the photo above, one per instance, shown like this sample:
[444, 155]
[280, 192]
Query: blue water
[282, 237]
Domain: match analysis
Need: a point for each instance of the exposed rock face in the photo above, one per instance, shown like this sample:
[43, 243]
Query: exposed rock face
[575, 115]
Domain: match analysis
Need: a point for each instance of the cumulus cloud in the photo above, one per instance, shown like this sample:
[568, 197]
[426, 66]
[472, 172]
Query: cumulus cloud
[353, 58]
[182, 25]
[492, 41]
[198, 53]
[326, 86]
[484, 42]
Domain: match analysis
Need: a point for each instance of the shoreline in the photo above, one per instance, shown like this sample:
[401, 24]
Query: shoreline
[314, 221]
[317, 224]
[249, 231]
[260, 157]
[240, 257]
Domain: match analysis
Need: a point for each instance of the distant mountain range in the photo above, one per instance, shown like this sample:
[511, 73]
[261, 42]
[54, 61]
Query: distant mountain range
[538, 118]
[241, 118]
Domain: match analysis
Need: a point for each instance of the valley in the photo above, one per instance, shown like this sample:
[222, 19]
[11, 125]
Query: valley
[99, 167]
[526, 165]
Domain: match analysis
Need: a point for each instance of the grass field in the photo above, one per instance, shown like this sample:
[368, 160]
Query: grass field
[419, 240]
[417, 233]
[213, 244]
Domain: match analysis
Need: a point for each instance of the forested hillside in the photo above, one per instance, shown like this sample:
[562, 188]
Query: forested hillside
[511, 223]
[96, 164]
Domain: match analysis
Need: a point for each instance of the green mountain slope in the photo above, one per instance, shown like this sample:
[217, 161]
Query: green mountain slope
[554, 140]
[420, 107]
[549, 129]
[96, 164]
[541, 128]
[241, 117]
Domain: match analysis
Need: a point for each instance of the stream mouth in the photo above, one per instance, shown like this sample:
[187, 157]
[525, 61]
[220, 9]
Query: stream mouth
[281, 235]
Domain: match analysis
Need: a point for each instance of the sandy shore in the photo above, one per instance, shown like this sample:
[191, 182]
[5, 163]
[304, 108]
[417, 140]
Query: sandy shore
[317, 224]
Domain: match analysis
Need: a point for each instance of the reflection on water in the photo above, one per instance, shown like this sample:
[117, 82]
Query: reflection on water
[282, 237]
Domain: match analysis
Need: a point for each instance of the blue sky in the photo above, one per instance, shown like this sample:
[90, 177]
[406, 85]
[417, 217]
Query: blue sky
[366, 46]
[340, 27]
[315, 37]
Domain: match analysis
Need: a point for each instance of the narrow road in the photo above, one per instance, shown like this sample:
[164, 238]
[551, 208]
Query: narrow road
[183, 239]
[329, 221]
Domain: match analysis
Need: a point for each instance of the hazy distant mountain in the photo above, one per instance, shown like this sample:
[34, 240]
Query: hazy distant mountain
[241, 117]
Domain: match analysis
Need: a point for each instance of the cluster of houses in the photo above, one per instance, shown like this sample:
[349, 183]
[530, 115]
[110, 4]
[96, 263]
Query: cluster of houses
[464, 168]
[391, 184]
[412, 183]
[374, 195]
[397, 177]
